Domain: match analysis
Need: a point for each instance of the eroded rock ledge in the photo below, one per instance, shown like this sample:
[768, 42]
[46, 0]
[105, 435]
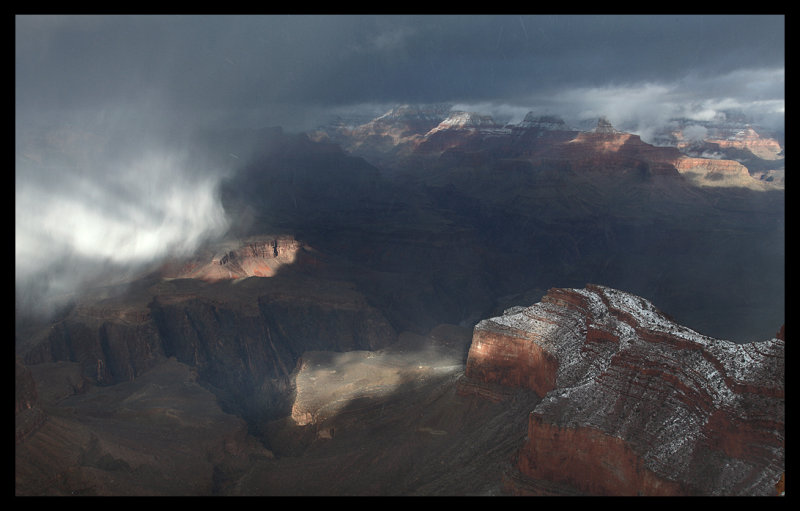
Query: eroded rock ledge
[633, 403]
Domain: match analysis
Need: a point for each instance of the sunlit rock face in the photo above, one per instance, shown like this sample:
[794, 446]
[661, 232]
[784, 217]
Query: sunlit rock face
[762, 155]
[608, 151]
[747, 139]
[634, 404]
[719, 172]
[259, 256]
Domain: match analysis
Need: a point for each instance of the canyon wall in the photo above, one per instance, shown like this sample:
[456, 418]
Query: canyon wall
[244, 337]
[747, 139]
[634, 404]
[721, 172]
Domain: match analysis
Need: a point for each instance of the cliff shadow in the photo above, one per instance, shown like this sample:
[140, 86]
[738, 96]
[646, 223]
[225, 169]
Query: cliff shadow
[390, 423]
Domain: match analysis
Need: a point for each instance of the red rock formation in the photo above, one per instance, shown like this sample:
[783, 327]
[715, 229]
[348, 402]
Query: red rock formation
[748, 139]
[708, 165]
[597, 463]
[510, 360]
[254, 257]
[476, 140]
[634, 403]
[608, 149]
[717, 172]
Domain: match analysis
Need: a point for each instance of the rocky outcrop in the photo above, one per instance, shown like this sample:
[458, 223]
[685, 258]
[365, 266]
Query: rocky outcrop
[464, 138]
[541, 122]
[461, 120]
[111, 343]
[395, 131]
[405, 121]
[727, 168]
[606, 151]
[244, 338]
[459, 129]
[250, 346]
[721, 172]
[260, 256]
[604, 126]
[546, 142]
[634, 403]
[747, 139]
[732, 139]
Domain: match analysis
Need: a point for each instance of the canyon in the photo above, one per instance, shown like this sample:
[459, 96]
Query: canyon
[401, 308]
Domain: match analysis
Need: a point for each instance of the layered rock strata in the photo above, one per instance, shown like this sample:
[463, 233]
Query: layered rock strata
[720, 172]
[634, 404]
[260, 256]
[738, 157]
[243, 337]
[747, 139]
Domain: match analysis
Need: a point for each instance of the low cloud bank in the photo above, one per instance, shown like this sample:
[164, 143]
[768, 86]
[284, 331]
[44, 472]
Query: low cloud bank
[96, 209]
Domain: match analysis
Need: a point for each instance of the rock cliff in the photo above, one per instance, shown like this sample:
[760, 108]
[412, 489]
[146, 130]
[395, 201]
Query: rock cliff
[395, 132]
[460, 120]
[721, 172]
[634, 404]
[243, 337]
[608, 150]
[260, 256]
[542, 122]
[747, 139]
[723, 158]
[733, 139]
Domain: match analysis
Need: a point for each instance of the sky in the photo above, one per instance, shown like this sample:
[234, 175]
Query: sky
[113, 184]
[292, 69]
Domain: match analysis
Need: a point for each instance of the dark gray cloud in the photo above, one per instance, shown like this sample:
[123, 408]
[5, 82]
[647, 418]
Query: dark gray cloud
[112, 183]
[215, 65]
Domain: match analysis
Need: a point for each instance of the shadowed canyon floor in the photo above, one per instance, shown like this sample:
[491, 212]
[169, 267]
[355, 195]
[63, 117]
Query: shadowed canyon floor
[363, 423]
[379, 423]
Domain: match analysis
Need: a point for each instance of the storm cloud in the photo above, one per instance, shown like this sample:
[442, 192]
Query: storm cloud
[289, 69]
[106, 105]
